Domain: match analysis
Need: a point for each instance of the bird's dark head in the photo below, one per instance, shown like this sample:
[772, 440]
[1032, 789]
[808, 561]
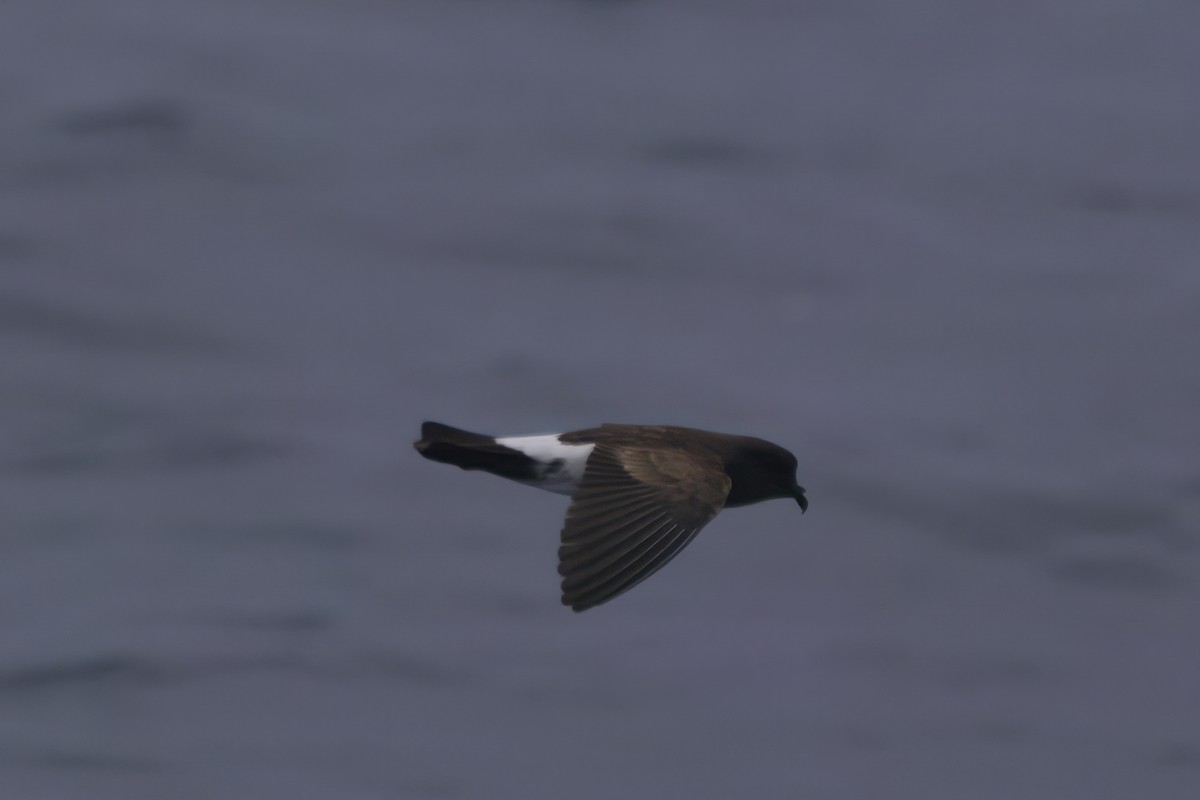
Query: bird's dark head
[761, 470]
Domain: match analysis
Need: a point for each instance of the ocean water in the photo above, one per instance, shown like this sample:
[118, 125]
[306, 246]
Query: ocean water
[947, 253]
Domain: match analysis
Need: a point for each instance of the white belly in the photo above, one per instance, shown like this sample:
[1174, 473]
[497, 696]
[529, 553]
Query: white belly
[561, 465]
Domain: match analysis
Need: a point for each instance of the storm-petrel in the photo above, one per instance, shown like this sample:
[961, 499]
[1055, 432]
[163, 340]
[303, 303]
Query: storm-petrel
[639, 493]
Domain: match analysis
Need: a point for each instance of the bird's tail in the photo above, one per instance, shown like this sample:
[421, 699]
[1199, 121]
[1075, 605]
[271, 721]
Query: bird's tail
[468, 450]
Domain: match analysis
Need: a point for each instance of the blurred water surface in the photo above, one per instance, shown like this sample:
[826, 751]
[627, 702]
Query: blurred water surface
[948, 253]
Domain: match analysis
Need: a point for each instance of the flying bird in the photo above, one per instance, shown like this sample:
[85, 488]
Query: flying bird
[639, 493]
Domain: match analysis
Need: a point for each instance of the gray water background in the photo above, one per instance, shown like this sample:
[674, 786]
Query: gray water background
[948, 253]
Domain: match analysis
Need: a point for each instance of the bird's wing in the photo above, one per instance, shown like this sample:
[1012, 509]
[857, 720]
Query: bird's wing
[634, 510]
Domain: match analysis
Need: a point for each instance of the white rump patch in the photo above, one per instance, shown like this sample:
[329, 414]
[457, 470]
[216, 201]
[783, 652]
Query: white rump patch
[562, 465]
